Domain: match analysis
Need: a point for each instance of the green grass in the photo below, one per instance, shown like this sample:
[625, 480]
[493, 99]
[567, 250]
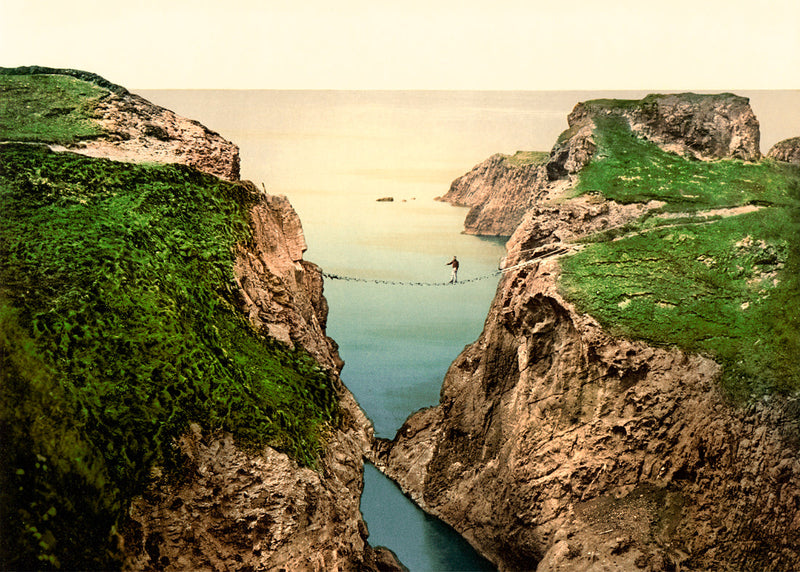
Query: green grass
[628, 169]
[119, 328]
[66, 72]
[524, 158]
[728, 287]
[48, 108]
[605, 104]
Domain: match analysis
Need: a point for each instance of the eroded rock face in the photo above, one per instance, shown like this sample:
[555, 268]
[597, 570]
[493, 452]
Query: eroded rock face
[560, 222]
[281, 292]
[556, 446]
[139, 131]
[704, 126]
[261, 511]
[574, 148]
[787, 150]
[499, 194]
[256, 511]
[233, 509]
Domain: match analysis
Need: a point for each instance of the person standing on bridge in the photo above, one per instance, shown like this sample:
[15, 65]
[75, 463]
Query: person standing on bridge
[454, 264]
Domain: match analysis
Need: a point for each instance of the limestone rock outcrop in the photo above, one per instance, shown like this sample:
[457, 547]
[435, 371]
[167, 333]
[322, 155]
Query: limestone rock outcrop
[787, 150]
[499, 192]
[705, 127]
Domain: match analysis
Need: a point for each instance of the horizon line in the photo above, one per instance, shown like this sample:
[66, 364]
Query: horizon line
[472, 90]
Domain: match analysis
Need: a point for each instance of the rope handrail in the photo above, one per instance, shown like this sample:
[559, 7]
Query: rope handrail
[497, 272]
[407, 283]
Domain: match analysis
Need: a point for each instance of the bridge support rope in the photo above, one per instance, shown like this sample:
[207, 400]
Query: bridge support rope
[498, 272]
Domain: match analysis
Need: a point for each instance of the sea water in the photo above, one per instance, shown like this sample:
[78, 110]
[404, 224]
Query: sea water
[334, 153]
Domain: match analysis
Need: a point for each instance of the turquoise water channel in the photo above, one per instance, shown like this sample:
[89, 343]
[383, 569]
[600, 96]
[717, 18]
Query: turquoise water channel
[334, 154]
[397, 342]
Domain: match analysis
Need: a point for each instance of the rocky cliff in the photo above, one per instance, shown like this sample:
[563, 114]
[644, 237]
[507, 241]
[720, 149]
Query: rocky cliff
[132, 129]
[139, 131]
[237, 509]
[500, 191]
[280, 292]
[227, 505]
[557, 446]
[240, 510]
[787, 150]
[703, 126]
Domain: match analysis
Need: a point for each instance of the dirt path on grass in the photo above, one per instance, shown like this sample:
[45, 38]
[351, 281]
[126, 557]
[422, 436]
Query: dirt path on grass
[723, 212]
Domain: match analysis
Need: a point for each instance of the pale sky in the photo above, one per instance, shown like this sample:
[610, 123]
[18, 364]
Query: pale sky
[412, 44]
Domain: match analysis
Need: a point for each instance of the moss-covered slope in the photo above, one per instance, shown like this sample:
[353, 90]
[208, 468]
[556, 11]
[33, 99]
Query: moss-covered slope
[714, 270]
[119, 327]
[50, 108]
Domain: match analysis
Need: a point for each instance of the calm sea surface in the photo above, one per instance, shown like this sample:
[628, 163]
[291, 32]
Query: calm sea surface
[333, 153]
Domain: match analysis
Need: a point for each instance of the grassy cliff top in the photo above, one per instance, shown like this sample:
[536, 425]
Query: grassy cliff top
[716, 270]
[629, 169]
[118, 328]
[605, 104]
[49, 107]
[66, 72]
[524, 158]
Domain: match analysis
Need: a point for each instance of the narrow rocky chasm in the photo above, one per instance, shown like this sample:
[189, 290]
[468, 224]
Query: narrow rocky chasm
[262, 511]
[556, 446]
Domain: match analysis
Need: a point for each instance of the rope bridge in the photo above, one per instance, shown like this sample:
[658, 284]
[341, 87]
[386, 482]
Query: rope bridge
[533, 260]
